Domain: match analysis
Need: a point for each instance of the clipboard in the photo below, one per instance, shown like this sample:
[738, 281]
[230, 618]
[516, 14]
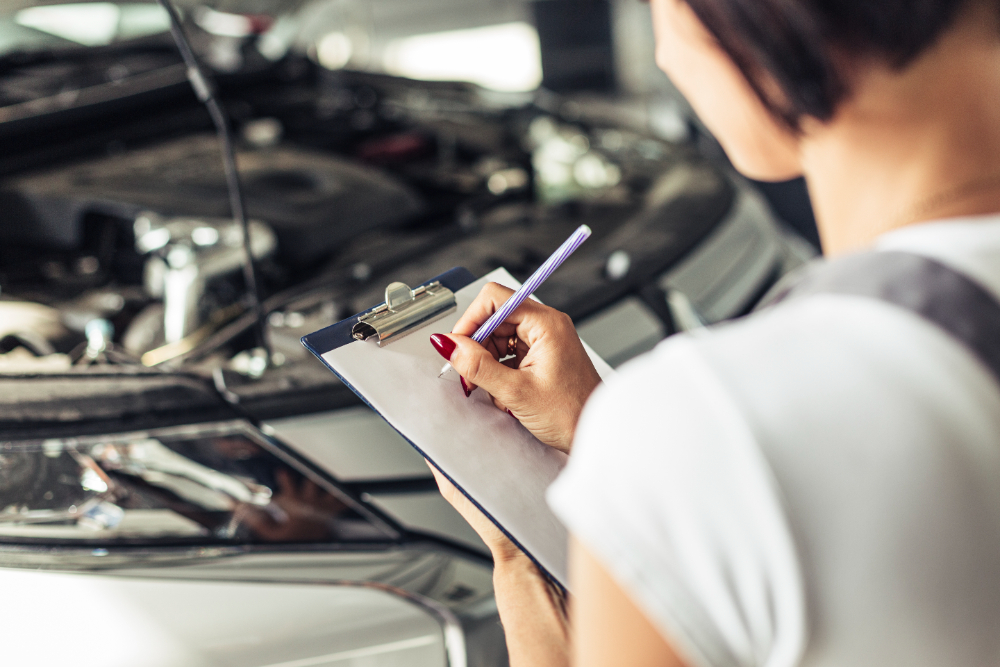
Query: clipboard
[487, 455]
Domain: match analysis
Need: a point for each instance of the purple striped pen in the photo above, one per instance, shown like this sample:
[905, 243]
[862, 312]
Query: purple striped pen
[529, 286]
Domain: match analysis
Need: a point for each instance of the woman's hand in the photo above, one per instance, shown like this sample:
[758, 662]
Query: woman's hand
[503, 550]
[548, 380]
[532, 609]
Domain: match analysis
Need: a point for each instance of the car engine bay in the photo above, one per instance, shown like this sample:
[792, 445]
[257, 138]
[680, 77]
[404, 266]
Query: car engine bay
[120, 255]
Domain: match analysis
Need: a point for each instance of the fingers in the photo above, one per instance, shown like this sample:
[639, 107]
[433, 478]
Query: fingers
[512, 364]
[524, 322]
[500, 344]
[503, 408]
[500, 405]
[490, 298]
[547, 380]
[493, 347]
[480, 368]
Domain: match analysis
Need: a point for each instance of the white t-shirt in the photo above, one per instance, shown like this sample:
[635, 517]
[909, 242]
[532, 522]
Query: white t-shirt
[816, 485]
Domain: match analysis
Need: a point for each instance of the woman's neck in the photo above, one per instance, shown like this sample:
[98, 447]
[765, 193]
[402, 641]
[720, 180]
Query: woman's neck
[911, 146]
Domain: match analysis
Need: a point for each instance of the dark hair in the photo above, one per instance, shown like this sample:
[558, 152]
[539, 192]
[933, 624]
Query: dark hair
[785, 48]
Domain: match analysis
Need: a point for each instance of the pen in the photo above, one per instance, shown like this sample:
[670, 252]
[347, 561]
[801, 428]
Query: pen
[530, 285]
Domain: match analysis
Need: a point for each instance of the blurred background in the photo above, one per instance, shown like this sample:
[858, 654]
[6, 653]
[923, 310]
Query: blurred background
[565, 46]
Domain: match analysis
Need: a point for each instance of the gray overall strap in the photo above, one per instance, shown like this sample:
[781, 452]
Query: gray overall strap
[949, 299]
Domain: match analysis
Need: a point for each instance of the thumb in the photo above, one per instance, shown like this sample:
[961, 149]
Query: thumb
[476, 365]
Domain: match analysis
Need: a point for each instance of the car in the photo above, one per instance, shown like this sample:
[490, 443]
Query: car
[181, 483]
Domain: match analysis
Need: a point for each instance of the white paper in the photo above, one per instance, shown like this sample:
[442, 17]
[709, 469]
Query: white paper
[490, 456]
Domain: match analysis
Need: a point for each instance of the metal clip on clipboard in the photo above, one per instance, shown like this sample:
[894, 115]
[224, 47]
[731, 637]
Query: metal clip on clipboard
[403, 311]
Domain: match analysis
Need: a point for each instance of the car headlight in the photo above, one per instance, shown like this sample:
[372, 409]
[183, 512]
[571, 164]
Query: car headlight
[214, 483]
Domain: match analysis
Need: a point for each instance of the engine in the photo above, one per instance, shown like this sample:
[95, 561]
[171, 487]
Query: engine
[126, 257]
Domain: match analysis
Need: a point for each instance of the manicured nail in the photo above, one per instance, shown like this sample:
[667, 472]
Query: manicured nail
[444, 345]
[465, 387]
[511, 414]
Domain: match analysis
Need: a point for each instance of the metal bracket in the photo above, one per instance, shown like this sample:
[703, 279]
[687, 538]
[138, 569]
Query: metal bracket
[403, 311]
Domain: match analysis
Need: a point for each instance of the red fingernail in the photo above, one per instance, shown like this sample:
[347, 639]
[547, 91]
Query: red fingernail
[465, 387]
[444, 345]
[511, 414]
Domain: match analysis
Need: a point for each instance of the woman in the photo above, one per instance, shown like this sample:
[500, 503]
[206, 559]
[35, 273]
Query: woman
[818, 484]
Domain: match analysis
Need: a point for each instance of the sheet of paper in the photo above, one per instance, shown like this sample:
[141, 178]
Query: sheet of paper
[488, 454]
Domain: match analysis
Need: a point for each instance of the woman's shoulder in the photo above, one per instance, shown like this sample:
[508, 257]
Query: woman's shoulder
[824, 367]
[669, 487]
[808, 437]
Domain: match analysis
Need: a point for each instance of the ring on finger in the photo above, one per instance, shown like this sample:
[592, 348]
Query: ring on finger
[511, 346]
